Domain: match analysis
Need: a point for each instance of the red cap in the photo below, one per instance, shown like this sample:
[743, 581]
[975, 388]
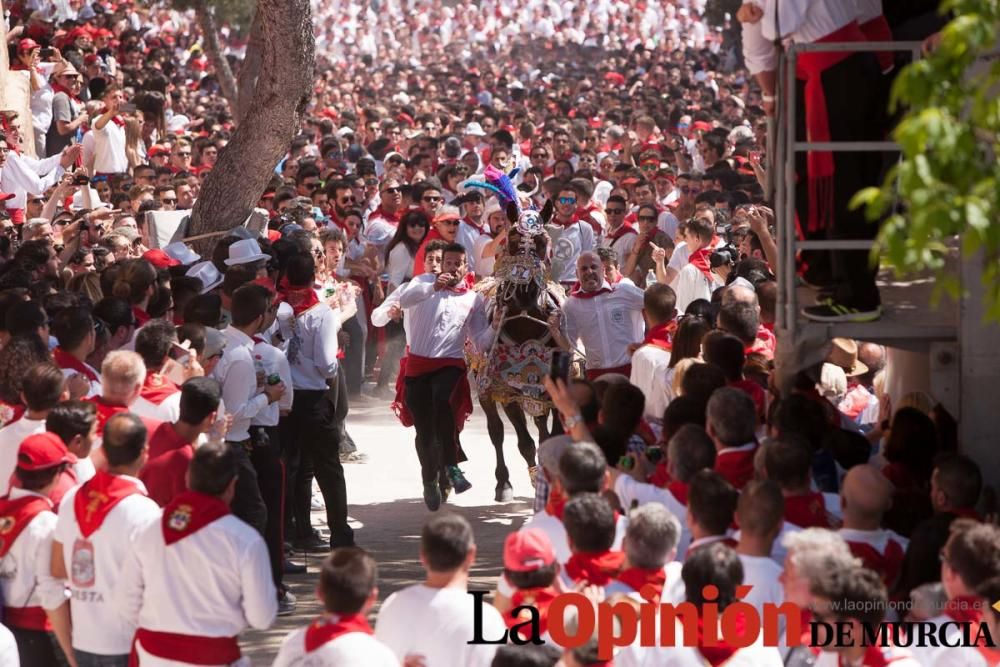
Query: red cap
[701, 126]
[42, 451]
[27, 44]
[527, 550]
[7, 196]
[595, 123]
[157, 149]
[160, 259]
[615, 78]
[90, 59]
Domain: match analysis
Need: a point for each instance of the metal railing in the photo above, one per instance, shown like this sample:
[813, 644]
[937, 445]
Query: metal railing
[783, 167]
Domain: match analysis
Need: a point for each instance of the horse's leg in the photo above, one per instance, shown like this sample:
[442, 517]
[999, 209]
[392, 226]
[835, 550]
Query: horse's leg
[525, 443]
[494, 426]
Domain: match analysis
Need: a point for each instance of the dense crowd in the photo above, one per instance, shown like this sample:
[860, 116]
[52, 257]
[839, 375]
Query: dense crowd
[165, 413]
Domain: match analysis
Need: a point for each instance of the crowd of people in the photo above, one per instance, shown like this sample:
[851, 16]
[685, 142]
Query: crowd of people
[164, 413]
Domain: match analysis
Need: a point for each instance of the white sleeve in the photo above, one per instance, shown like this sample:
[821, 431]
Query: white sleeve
[239, 390]
[260, 600]
[326, 347]
[385, 630]
[285, 373]
[380, 315]
[587, 241]
[51, 591]
[478, 326]
[400, 264]
[417, 292]
[759, 54]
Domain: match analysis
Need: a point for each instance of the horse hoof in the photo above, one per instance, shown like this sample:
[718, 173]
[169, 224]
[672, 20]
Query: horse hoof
[504, 494]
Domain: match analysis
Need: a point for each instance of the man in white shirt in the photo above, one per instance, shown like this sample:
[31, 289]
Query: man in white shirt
[42, 388]
[570, 237]
[246, 394]
[341, 636]
[74, 329]
[606, 318]
[696, 280]
[650, 547]
[160, 397]
[75, 422]
[162, 589]
[109, 136]
[621, 236]
[472, 225]
[760, 514]
[21, 175]
[865, 496]
[444, 312]
[436, 619]
[311, 332]
[650, 360]
[98, 521]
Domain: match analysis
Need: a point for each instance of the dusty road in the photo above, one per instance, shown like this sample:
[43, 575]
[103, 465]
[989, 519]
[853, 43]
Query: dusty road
[387, 511]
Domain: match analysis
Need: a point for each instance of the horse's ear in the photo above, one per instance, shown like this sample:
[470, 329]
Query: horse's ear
[546, 213]
[512, 213]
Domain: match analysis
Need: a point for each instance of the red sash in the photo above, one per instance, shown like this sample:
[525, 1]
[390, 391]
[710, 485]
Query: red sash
[27, 618]
[806, 510]
[736, 467]
[188, 513]
[300, 299]
[186, 648]
[721, 651]
[594, 373]
[700, 259]
[662, 335]
[67, 361]
[412, 365]
[15, 515]
[157, 388]
[636, 578]
[540, 599]
[97, 497]
[596, 569]
[878, 30]
[820, 166]
[327, 628]
[887, 564]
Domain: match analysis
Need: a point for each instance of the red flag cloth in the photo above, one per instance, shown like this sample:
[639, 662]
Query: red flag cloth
[97, 497]
[413, 365]
[15, 515]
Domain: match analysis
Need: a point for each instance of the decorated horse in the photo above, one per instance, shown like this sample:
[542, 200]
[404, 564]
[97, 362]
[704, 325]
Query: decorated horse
[509, 374]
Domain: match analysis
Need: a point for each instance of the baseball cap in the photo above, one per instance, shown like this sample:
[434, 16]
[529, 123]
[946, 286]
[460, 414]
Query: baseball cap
[42, 451]
[527, 550]
[27, 44]
[159, 259]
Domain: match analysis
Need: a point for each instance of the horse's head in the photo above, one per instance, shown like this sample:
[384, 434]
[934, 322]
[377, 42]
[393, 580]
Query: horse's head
[527, 235]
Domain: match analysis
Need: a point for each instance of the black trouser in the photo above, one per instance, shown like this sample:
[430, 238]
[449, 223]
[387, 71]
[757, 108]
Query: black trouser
[428, 397]
[855, 100]
[395, 345]
[353, 362]
[36, 647]
[312, 440]
[337, 393]
[266, 459]
[248, 504]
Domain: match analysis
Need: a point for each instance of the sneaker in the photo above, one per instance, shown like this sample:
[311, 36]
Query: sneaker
[354, 457]
[458, 481]
[831, 311]
[286, 603]
[316, 503]
[432, 496]
[313, 543]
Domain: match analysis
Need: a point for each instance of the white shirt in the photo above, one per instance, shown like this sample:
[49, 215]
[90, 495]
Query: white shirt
[348, 650]
[212, 583]
[8, 649]
[109, 149]
[11, 437]
[692, 284]
[312, 346]
[630, 490]
[94, 571]
[467, 236]
[437, 624]
[399, 265]
[22, 175]
[649, 373]
[622, 245]
[274, 362]
[762, 573]
[441, 320]
[755, 655]
[567, 244]
[236, 373]
[895, 656]
[379, 232]
[26, 571]
[167, 410]
[801, 21]
[606, 324]
[484, 265]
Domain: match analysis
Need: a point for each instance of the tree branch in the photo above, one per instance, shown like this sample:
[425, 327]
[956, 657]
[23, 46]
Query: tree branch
[210, 35]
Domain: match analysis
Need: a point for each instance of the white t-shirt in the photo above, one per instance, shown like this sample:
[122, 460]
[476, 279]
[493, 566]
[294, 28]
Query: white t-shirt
[109, 149]
[353, 648]
[649, 373]
[437, 623]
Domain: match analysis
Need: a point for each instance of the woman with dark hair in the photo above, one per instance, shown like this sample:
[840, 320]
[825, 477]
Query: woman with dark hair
[910, 449]
[20, 354]
[137, 282]
[687, 341]
[400, 253]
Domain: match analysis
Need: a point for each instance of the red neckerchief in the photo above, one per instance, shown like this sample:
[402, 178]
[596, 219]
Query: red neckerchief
[806, 510]
[188, 513]
[722, 650]
[556, 503]
[624, 229]
[15, 515]
[67, 361]
[701, 262]
[595, 569]
[380, 212]
[464, 285]
[157, 388]
[875, 656]
[471, 223]
[579, 293]
[964, 609]
[966, 513]
[584, 215]
[736, 467]
[300, 299]
[635, 578]
[106, 411]
[887, 564]
[141, 316]
[327, 628]
[120, 122]
[540, 599]
[59, 88]
[97, 497]
[564, 224]
[679, 490]
[662, 335]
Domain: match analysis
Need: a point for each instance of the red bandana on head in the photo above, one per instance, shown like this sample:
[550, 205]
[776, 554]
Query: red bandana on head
[97, 497]
[300, 299]
[662, 335]
[188, 513]
[67, 361]
[596, 569]
[327, 628]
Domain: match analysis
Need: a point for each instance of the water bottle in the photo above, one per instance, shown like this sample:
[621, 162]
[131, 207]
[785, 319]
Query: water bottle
[258, 367]
[650, 277]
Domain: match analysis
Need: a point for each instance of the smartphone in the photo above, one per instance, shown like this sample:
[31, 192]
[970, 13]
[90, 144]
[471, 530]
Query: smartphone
[560, 365]
[126, 107]
[80, 178]
[177, 363]
[46, 53]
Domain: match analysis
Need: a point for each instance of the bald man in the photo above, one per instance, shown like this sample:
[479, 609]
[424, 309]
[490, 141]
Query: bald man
[865, 497]
[605, 319]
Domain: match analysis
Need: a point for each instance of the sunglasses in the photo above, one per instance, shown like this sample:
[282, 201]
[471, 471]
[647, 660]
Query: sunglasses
[688, 190]
[417, 224]
[347, 200]
[650, 167]
[567, 200]
[392, 191]
[169, 200]
[431, 200]
[540, 156]
[450, 223]
[311, 186]
[184, 154]
[646, 218]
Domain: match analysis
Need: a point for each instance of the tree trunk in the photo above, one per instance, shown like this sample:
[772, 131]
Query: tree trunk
[246, 164]
[210, 36]
[249, 69]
